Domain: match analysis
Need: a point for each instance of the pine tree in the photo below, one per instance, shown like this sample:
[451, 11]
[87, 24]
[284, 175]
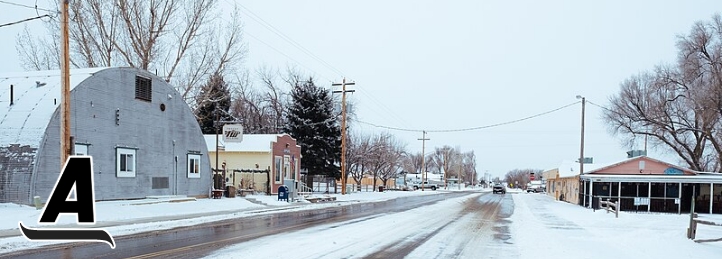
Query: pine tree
[315, 127]
[212, 104]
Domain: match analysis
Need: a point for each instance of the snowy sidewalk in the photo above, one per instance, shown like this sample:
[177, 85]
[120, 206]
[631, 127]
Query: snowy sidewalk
[545, 228]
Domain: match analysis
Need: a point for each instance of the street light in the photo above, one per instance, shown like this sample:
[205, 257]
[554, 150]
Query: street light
[581, 147]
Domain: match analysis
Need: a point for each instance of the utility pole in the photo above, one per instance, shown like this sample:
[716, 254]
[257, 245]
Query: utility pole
[423, 159]
[65, 86]
[461, 161]
[215, 169]
[581, 148]
[343, 92]
[459, 176]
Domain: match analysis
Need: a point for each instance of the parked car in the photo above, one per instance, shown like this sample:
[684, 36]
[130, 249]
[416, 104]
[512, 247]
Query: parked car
[535, 189]
[426, 185]
[499, 189]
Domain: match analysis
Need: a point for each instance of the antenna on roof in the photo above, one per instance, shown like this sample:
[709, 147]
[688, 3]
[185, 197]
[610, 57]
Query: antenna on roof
[11, 95]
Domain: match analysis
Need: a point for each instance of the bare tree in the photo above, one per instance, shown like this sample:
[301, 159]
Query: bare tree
[700, 63]
[520, 177]
[377, 157]
[264, 110]
[247, 104]
[38, 53]
[179, 39]
[393, 154]
[413, 162]
[359, 157]
[444, 159]
[469, 166]
[678, 106]
[275, 99]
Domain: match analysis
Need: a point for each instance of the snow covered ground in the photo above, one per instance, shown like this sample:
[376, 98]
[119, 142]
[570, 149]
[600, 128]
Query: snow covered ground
[538, 227]
[544, 228]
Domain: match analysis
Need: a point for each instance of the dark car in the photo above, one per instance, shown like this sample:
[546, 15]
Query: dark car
[499, 189]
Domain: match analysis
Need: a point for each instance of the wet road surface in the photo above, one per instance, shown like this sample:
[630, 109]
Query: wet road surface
[198, 241]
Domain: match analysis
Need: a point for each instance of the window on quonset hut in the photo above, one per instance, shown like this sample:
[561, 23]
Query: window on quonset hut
[125, 162]
[81, 149]
[194, 166]
[143, 88]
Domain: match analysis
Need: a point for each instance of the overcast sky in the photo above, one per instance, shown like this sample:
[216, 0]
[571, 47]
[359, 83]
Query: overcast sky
[446, 65]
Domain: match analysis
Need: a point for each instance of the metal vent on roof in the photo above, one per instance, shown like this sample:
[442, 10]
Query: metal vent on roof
[143, 88]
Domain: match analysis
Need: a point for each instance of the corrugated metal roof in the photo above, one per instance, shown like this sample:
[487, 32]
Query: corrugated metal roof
[36, 95]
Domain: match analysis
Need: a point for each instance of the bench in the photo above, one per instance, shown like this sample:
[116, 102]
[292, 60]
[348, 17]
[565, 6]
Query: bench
[217, 194]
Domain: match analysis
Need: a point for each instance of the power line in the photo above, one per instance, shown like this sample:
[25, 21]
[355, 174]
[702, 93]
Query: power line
[592, 103]
[284, 54]
[26, 20]
[285, 37]
[28, 6]
[473, 128]
[300, 47]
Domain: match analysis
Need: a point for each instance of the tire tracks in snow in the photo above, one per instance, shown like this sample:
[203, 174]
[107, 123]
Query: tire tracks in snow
[462, 236]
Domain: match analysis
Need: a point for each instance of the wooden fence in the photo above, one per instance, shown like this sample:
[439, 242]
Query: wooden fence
[610, 207]
[692, 230]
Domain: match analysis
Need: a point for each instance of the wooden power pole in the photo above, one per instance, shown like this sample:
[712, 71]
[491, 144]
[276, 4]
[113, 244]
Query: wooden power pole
[343, 92]
[423, 160]
[65, 86]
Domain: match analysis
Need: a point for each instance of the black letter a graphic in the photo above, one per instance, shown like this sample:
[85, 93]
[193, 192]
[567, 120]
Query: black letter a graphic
[78, 171]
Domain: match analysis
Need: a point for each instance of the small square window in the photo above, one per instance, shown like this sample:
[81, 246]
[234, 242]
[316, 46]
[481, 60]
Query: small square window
[143, 88]
[81, 149]
[125, 166]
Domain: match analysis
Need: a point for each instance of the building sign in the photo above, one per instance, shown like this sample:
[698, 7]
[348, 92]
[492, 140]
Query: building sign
[673, 171]
[638, 201]
[232, 133]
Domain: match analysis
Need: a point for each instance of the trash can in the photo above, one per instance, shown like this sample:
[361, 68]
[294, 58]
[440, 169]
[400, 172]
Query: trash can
[381, 189]
[283, 193]
[231, 191]
[595, 203]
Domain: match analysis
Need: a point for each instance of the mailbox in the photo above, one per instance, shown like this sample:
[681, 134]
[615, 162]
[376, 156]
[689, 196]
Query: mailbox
[283, 193]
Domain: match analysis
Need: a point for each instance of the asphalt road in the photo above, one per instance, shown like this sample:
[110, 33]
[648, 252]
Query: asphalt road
[479, 230]
[484, 211]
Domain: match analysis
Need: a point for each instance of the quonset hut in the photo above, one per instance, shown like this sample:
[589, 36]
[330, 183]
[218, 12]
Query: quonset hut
[142, 136]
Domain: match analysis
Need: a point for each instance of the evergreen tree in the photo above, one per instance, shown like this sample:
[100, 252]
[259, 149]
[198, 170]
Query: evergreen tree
[312, 123]
[213, 104]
